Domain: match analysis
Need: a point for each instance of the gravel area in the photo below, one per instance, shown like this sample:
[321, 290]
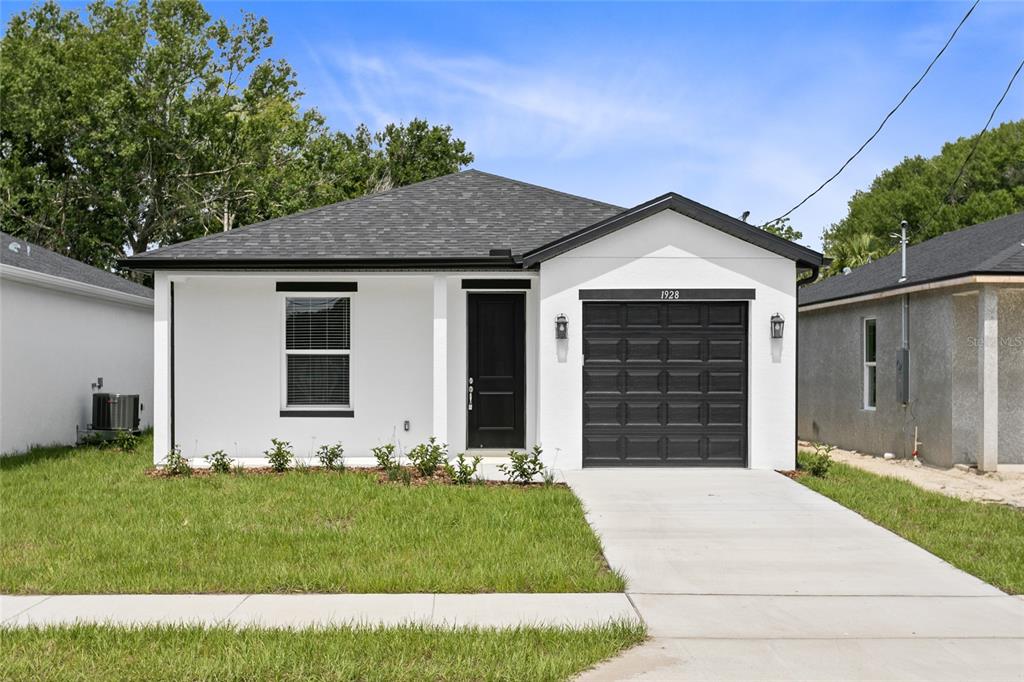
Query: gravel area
[1005, 486]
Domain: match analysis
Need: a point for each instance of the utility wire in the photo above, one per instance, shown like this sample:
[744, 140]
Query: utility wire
[884, 120]
[949, 192]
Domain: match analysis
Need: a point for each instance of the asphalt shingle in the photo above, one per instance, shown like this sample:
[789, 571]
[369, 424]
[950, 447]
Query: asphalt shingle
[27, 256]
[995, 247]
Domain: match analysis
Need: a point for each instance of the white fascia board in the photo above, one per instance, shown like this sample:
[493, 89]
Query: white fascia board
[1010, 280]
[44, 280]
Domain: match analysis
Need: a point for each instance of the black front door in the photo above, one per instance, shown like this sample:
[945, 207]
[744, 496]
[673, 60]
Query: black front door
[496, 391]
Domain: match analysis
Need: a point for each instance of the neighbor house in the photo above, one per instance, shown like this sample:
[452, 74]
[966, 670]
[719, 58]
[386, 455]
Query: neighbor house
[490, 313]
[65, 329]
[939, 353]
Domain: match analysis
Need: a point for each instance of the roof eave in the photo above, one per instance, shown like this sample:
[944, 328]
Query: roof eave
[960, 278]
[150, 264]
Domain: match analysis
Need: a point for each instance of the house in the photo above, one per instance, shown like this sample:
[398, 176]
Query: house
[66, 327]
[959, 313]
[490, 313]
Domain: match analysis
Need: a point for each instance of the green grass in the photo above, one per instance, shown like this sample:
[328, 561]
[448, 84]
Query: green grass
[408, 653]
[985, 540]
[90, 521]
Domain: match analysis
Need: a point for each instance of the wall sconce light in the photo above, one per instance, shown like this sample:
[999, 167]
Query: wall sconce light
[561, 327]
[777, 323]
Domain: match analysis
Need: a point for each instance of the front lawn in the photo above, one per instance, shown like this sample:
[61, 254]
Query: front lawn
[91, 521]
[407, 653]
[985, 540]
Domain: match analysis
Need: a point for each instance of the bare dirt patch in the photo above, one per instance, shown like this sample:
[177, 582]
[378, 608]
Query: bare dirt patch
[1001, 487]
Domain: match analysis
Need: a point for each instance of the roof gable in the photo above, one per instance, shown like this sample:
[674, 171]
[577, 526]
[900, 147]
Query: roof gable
[689, 208]
[994, 247]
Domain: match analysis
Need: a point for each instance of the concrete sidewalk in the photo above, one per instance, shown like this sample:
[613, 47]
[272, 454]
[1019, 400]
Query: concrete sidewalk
[307, 610]
[743, 574]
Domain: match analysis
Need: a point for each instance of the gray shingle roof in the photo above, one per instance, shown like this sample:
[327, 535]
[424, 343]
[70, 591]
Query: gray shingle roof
[995, 247]
[21, 254]
[458, 216]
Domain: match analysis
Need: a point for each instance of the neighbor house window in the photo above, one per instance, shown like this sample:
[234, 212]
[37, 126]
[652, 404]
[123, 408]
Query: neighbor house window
[870, 370]
[317, 351]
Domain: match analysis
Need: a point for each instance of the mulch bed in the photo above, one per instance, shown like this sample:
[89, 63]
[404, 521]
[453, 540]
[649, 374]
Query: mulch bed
[414, 477]
[792, 473]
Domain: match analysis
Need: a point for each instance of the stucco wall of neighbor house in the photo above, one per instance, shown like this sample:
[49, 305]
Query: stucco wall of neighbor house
[831, 394]
[668, 250]
[1011, 377]
[53, 346]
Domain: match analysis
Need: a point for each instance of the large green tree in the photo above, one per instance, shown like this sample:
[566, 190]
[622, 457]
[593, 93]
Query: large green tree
[150, 122]
[927, 194]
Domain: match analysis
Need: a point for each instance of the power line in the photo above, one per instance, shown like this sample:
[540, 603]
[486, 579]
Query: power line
[884, 120]
[977, 140]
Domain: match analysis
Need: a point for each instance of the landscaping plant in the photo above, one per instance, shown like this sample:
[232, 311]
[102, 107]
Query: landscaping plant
[175, 464]
[524, 466]
[219, 462]
[816, 463]
[461, 471]
[279, 456]
[126, 441]
[429, 457]
[330, 456]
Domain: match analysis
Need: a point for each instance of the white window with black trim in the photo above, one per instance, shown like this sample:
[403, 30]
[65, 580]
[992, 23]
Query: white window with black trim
[870, 368]
[317, 352]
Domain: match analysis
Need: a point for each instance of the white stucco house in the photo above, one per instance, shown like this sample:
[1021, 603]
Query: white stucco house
[490, 313]
[63, 326]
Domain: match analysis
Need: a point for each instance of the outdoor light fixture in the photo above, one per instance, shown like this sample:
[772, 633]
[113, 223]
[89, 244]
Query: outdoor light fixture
[561, 327]
[777, 324]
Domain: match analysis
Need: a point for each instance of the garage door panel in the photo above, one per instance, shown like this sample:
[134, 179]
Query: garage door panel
[602, 381]
[642, 413]
[727, 349]
[602, 414]
[641, 382]
[603, 350]
[665, 384]
[643, 350]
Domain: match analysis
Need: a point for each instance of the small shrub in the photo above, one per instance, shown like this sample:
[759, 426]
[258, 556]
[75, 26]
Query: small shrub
[816, 463]
[403, 475]
[429, 457]
[219, 462]
[330, 456]
[524, 466]
[90, 440]
[385, 456]
[279, 456]
[126, 441]
[175, 464]
[460, 471]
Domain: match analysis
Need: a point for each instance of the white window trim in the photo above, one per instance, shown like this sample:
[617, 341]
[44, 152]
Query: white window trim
[866, 365]
[283, 345]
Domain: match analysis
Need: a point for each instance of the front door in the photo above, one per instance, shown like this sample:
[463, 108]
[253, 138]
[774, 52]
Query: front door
[496, 378]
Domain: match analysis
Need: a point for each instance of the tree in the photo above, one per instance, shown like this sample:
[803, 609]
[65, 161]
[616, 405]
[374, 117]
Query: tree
[782, 228]
[919, 191]
[148, 123]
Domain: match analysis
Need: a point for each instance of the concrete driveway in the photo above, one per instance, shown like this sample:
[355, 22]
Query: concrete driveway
[747, 575]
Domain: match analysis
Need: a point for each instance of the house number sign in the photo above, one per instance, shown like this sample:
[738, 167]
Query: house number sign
[666, 294]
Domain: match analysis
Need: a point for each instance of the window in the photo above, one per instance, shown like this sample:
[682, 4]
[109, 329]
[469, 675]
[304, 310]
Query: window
[870, 370]
[317, 351]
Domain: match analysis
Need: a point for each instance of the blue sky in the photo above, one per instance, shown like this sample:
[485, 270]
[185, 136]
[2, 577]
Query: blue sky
[744, 106]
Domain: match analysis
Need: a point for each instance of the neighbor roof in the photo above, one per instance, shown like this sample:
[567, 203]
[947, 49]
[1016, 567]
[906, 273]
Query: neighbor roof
[993, 248]
[465, 219]
[454, 218]
[18, 253]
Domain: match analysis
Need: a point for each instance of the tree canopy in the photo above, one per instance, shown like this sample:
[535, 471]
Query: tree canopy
[146, 123]
[922, 192]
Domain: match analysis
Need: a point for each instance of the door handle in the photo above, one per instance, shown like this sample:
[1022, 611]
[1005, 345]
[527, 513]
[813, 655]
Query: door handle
[470, 408]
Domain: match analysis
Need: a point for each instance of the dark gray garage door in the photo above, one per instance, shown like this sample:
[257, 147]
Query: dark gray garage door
[665, 384]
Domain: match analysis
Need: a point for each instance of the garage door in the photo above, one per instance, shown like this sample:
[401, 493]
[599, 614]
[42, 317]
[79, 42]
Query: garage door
[665, 384]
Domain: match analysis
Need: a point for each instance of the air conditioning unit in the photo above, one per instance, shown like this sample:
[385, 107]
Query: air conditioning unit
[115, 412]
